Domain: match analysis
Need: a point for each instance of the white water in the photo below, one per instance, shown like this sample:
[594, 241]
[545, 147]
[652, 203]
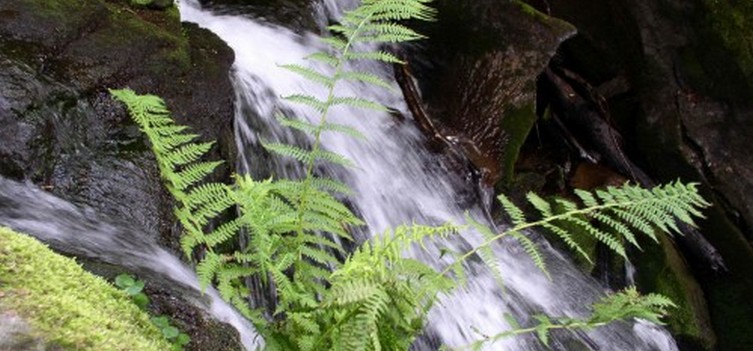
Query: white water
[81, 232]
[396, 181]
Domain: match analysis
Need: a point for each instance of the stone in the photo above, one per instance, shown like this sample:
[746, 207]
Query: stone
[481, 87]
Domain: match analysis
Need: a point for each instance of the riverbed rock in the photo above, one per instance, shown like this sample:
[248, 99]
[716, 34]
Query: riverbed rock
[63, 131]
[484, 59]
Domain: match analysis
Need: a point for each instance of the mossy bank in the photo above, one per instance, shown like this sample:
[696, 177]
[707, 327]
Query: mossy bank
[65, 307]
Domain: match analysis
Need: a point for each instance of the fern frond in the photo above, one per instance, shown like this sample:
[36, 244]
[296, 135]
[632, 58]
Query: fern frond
[208, 268]
[194, 173]
[619, 209]
[178, 159]
[311, 128]
[327, 184]
[514, 212]
[323, 57]
[567, 238]
[308, 100]
[533, 252]
[629, 303]
[485, 252]
[540, 204]
[186, 154]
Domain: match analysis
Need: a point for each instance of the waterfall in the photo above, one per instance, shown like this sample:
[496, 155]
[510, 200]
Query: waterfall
[397, 181]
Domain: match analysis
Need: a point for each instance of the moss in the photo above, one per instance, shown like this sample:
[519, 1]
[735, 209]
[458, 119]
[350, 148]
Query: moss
[68, 306]
[732, 20]
[662, 270]
[729, 292]
[720, 62]
[516, 124]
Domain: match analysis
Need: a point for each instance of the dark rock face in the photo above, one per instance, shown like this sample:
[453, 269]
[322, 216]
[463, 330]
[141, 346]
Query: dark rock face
[492, 53]
[687, 115]
[61, 129]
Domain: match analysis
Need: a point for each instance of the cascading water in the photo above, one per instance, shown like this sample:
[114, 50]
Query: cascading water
[83, 233]
[396, 181]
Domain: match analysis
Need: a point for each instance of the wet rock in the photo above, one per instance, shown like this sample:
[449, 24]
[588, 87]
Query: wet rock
[63, 132]
[491, 53]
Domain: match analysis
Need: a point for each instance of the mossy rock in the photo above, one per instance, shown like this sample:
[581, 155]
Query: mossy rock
[661, 269]
[67, 306]
[721, 63]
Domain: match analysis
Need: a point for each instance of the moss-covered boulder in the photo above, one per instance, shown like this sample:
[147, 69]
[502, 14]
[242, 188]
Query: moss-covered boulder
[57, 305]
[662, 269]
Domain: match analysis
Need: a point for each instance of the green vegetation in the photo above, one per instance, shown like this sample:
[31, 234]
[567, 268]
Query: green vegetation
[375, 298]
[623, 305]
[134, 288]
[69, 307]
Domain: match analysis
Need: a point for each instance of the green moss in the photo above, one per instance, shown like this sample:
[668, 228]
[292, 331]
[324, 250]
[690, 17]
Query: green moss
[732, 20]
[662, 270]
[68, 306]
[516, 124]
[719, 63]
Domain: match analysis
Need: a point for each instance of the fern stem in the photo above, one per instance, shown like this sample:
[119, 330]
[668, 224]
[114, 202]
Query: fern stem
[323, 120]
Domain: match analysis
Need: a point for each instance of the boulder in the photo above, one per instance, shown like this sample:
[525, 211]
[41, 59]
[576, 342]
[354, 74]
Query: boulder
[479, 76]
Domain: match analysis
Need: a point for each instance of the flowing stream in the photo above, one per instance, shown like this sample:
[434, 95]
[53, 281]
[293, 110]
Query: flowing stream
[397, 181]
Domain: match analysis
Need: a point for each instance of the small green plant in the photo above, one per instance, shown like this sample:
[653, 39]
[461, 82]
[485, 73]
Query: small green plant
[134, 288]
[177, 339]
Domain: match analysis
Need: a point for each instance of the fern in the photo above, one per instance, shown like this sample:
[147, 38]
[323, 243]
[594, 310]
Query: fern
[623, 305]
[375, 298]
[626, 211]
[178, 159]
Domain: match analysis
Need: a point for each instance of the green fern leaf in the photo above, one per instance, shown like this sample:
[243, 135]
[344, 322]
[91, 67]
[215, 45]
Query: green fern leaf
[516, 214]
